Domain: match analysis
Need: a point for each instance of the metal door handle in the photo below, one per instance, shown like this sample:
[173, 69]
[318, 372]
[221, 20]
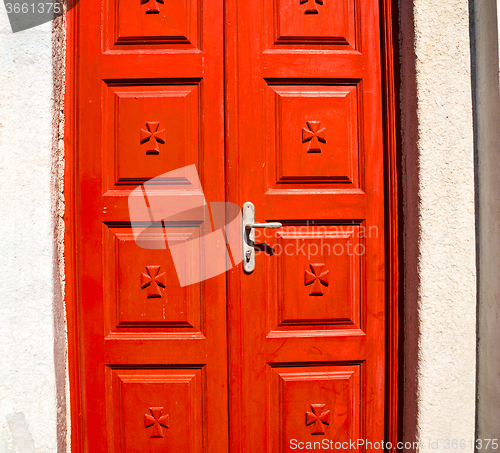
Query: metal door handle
[271, 225]
[248, 233]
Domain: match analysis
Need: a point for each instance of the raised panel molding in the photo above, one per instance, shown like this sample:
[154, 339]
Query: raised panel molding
[142, 294]
[314, 135]
[317, 282]
[149, 130]
[130, 24]
[309, 399]
[299, 23]
[156, 409]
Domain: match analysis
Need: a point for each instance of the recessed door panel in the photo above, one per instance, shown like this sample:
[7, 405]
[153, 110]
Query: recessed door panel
[314, 403]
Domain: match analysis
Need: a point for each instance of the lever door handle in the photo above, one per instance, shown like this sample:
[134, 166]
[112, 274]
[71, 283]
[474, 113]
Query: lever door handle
[248, 234]
[272, 225]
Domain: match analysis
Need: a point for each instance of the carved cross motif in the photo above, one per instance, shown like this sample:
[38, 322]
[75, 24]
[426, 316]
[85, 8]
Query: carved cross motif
[153, 280]
[318, 417]
[314, 134]
[153, 7]
[317, 278]
[156, 420]
[311, 6]
[154, 135]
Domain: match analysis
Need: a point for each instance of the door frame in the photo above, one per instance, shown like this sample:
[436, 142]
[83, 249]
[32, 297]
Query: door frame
[394, 222]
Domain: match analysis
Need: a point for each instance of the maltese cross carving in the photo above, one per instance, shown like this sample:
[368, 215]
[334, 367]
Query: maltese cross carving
[316, 278]
[153, 280]
[314, 134]
[318, 418]
[152, 136]
[311, 6]
[153, 7]
[156, 420]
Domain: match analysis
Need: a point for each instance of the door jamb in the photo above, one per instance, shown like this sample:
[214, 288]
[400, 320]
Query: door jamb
[71, 293]
[394, 221]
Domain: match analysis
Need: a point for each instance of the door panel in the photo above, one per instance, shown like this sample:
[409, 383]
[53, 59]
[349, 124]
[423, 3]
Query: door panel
[293, 388]
[309, 152]
[305, 129]
[314, 22]
[328, 295]
[175, 423]
[153, 353]
[150, 129]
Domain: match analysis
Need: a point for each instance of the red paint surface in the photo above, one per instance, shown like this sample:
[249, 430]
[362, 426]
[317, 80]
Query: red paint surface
[294, 112]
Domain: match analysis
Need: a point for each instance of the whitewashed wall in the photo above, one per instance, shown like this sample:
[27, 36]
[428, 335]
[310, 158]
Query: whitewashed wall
[31, 373]
[440, 258]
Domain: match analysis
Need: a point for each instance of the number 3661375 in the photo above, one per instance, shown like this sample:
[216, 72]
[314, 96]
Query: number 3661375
[34, 8]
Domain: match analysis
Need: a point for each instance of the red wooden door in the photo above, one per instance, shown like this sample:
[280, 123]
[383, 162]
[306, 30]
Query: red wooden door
[278, 103]
[305, 146]
[153, 354]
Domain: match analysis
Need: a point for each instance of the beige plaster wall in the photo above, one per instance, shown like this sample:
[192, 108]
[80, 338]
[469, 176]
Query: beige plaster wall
[440, 306]
[33, 374]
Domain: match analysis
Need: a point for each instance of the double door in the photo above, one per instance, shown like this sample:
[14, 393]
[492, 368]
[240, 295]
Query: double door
[277, 103]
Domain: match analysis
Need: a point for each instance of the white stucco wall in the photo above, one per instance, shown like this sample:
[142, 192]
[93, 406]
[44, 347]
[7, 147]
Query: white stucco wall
[440, 305]
[31, 372]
